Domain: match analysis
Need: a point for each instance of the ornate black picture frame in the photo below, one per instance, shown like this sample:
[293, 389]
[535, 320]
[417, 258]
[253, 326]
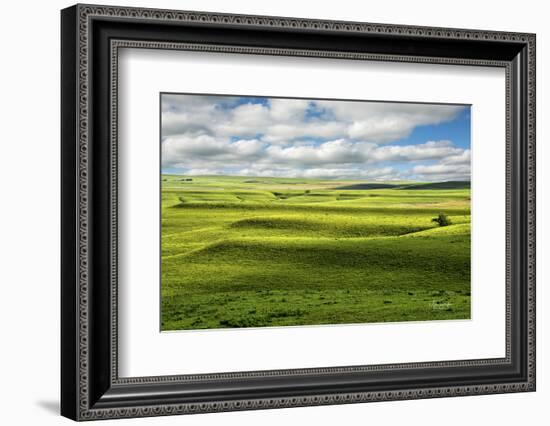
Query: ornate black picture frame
[91, 37]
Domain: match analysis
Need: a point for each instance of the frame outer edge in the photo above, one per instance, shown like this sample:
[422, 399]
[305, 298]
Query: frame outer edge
[531, 200]
[69, 221]
[81, 340]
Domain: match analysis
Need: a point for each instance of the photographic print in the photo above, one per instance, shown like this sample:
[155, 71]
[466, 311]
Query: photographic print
[293, 212]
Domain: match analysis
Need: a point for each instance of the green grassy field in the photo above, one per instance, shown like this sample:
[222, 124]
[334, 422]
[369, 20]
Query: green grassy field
[254, 252]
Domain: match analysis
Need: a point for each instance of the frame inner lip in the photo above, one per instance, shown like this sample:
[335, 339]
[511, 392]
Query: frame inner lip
[115, 45]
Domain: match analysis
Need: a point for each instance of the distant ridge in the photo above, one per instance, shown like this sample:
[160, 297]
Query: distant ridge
[370, 186]
[455, 184]
[452, 184]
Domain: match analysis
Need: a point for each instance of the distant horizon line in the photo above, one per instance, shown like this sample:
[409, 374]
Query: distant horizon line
[310, 178]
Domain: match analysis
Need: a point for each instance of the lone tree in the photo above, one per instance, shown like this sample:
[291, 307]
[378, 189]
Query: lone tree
[442, 220]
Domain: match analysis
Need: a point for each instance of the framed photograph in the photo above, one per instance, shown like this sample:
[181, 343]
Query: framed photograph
[263, 212]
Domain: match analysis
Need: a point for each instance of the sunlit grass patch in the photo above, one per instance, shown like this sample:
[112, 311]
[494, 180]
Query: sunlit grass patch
[255, 252]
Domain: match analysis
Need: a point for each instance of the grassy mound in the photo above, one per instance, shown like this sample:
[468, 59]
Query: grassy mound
[272, 252]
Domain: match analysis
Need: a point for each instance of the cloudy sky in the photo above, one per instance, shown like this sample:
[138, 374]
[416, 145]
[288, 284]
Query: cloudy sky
[258, 136]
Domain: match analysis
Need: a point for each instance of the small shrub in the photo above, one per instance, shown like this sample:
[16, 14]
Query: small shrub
[442, 220]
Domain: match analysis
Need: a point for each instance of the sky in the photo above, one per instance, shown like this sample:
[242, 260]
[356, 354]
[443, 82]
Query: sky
[309, 138]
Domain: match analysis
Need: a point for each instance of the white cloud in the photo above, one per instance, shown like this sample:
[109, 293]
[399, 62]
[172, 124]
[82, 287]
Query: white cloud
[303, 138]
[282, 110]
[252, 116]
[247, 148]
[285, 133]
[286, 119]
[430, 150]
[461, 158]
[332, 152]
[184, 150]
[176, 147]
[385, 173]
[440, 169]
[384, 122]
[441, 172]
[346, 151]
